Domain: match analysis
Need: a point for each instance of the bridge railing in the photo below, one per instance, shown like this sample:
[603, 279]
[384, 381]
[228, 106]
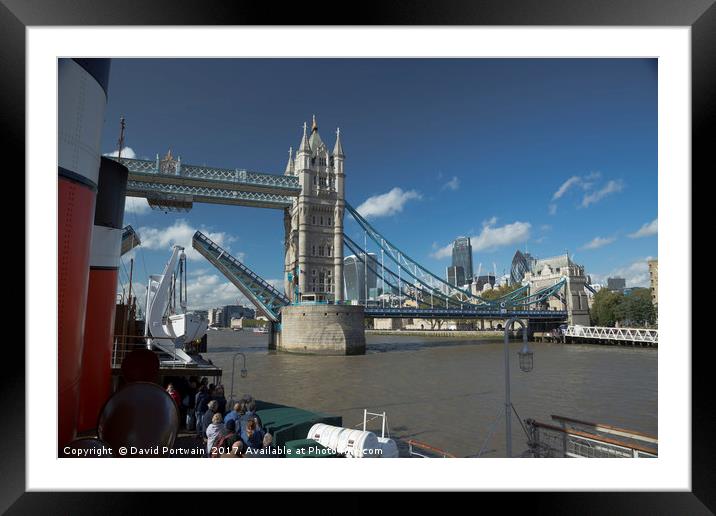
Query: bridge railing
[140, 166]
[149, 189]
[648, 335]
[254, 286]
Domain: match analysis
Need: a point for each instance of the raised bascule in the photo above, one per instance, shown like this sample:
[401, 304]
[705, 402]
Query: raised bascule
[311, 316]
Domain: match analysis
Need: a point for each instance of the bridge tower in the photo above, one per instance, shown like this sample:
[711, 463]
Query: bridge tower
[548, 271]
[314, 223]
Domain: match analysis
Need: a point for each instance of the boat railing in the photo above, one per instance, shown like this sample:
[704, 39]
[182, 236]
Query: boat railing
[426, 451]
[125, 344]
[581, 439]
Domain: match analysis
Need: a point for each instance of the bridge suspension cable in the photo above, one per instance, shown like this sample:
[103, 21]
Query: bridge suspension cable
[396, 278]
[413, 268]
[429, 280]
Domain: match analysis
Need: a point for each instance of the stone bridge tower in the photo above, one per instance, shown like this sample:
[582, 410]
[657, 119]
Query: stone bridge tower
[314, 224]
[548, 271]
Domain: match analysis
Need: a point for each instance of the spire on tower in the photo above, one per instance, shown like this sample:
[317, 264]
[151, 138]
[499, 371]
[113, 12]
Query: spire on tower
[314, 127]
[338, 148]
[305, 146]
[289, 165]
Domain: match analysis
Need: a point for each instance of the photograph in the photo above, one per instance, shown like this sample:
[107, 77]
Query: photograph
[358, 257]
[432, 234]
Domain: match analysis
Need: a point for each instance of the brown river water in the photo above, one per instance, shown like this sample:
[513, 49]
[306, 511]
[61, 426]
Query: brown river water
[448, 392]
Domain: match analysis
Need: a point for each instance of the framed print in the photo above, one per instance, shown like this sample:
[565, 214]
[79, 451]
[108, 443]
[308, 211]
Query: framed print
[458, 260]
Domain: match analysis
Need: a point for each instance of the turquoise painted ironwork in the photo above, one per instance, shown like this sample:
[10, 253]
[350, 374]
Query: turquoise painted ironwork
[160, 191]
[264, 296]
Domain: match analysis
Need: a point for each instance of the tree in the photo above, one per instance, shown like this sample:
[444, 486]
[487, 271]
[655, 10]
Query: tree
[500, 291]
[634, 309]
[604, 306]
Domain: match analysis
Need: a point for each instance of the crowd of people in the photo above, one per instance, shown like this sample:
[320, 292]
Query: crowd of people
[233, 433]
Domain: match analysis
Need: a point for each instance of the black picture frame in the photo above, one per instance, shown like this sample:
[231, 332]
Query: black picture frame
[700, 15]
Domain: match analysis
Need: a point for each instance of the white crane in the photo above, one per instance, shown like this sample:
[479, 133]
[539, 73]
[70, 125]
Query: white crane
[164, 327]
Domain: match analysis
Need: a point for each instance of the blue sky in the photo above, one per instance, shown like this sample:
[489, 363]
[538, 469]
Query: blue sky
[548, 155]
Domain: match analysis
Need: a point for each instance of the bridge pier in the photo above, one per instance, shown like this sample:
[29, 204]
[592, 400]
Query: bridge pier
[322, 329]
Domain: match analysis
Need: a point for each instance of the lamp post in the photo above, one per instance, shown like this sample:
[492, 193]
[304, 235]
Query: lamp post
[244, 372]
[526, 364]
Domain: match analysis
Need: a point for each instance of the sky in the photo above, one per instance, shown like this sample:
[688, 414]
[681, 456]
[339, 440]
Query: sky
[551, 156]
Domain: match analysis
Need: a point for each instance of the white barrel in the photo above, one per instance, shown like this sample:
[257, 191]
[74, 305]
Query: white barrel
[359, 444]
[389, 448]
[326, 435]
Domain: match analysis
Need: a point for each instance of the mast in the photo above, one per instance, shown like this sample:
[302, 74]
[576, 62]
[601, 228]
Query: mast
[120, 142]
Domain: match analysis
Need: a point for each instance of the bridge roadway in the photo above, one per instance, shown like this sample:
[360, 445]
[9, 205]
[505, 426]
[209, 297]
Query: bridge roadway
[168, 183]
[456, 313]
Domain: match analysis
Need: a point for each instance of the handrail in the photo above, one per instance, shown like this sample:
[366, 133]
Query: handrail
[426, 446]
[594, 437]
[632, 434]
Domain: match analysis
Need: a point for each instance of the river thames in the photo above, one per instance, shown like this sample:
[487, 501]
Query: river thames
[449, 392]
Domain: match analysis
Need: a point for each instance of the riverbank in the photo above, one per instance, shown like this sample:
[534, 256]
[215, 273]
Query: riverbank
[458, 334]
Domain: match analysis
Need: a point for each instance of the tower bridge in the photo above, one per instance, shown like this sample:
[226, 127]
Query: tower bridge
[311, 193]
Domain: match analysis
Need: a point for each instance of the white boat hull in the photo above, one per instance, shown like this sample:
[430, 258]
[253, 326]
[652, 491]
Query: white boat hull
[187, 327]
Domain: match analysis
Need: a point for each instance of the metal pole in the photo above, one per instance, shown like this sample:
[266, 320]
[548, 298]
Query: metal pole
[233, 370]
[382, 273]
[400, 286]
[365, 267]
[508, 402]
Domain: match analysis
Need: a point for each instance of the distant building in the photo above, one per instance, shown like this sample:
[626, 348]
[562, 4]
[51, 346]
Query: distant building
[654, 280]
[354, 277]
[522, 263]
[485, 279]
[455, 275]
[547, 272]
[204, 314]
[616, 284]
[237, 312]
[216, 317]
[462, 257]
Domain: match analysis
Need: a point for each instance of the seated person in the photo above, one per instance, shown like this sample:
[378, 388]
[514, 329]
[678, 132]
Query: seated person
[254, 436]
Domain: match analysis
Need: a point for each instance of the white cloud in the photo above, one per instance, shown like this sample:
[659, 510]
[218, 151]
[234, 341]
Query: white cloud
[127, 152]
[181, 233]
[636, 274]
[597, 242]
[442, 252]
[453, 184]
[492, 237]
[585, 182]
[648, 229]
[611, 187]
[211, 291]
[204, 291]
[387, 204]
[569, 183]
[136, 205]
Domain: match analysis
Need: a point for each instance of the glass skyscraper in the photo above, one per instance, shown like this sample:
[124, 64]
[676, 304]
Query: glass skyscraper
[354, 274]
[522, 263]
[462, 256]
[456, 275]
